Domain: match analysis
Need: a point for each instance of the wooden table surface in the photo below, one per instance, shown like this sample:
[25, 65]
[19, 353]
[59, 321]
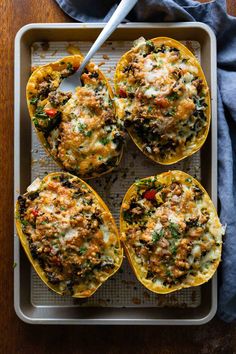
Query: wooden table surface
[18, 337]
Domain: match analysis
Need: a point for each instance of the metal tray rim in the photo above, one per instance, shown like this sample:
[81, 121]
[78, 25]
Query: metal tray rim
[17, 305]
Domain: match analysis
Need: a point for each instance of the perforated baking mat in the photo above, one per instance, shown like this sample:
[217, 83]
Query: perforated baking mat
[121, 290]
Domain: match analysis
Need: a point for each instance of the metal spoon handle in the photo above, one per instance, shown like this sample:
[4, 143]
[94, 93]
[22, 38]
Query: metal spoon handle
[122, 10]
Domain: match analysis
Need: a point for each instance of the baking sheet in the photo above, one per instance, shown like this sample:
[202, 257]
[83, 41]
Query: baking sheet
[121, 290]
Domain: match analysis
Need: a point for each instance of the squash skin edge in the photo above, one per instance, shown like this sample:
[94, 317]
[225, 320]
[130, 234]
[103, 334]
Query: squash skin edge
[198, 280]
[35, 263]
[200, 141]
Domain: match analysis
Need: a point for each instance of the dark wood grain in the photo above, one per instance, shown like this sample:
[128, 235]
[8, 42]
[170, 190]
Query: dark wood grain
[18, 337]
[231, 7]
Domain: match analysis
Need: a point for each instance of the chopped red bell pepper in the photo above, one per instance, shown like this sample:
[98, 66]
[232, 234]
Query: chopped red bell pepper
[51, 112]
[150, 194]
[35, 212]
[122, 93]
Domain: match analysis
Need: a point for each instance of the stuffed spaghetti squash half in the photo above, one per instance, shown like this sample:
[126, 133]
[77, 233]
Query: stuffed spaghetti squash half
[80, 130]
[68, 234]
[163, 99]
[171, 232]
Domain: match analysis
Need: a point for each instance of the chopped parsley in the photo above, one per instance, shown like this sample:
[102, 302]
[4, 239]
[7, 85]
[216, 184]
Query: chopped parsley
[148, 182]
[89, 133]
[39, 113]
[150, 44]
[170, 112]
[168, 273]
[199, 103]
[81, 127]
[69, 67]
[24, 222]
[174, 250]
[33, 100]
[189, 180]
[82, 250]
[173, 96]
[156, 236]
[104, 141]
[174, 230]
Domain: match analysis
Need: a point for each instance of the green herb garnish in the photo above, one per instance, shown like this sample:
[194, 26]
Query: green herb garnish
[33, 100]
[189, 180]
[171, 112]
[168, 273]
[150, 44]
[39, 113]
[69, 67]
[24, 222]
[89, 133]
[82, 250]
[156, 236]
[174, 229]
[200, 103]
[173, 96]
[81, 127]
[148, 182]
[104, 141]
[174, 250]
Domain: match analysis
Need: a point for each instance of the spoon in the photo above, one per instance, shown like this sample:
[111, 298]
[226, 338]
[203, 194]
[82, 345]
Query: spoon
[73, 81]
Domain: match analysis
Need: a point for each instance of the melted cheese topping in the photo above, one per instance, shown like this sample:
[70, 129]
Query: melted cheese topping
[80, 130]
[86, 141]
[162, 98]
[69, 233]
[171, 231]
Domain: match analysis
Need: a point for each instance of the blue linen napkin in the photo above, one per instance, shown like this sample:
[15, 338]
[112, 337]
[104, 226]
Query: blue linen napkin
[214, 14]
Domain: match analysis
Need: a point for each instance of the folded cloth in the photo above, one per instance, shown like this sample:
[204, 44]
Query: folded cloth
[214, 14]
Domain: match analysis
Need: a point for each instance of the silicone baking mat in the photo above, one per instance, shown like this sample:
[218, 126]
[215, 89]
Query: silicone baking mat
[121, 290]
